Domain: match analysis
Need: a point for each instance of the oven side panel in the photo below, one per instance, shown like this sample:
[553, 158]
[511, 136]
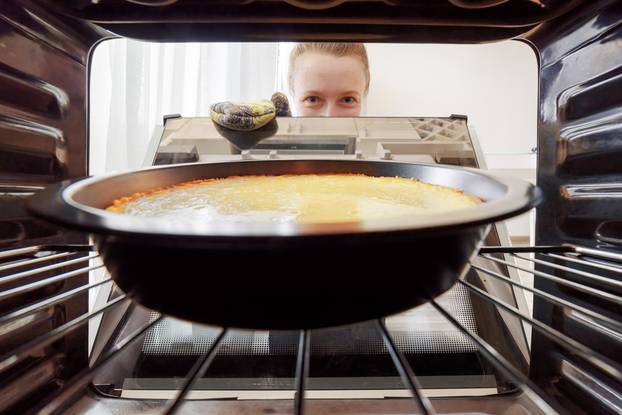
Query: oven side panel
[580, 172]
[43, 112]
[43, 82]
[43, 138]
[580, 123]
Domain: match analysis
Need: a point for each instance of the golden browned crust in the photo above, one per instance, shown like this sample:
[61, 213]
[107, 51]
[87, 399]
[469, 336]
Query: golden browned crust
[118, 205]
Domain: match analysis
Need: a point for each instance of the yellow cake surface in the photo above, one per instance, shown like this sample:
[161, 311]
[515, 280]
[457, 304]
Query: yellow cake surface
[304, 198]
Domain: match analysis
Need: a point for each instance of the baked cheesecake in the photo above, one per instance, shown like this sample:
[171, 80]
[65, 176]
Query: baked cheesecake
[303, 198]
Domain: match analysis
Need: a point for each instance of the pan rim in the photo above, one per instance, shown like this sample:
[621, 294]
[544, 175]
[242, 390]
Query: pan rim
[519, 196]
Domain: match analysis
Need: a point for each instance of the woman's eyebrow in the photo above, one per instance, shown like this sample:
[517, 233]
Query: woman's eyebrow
[351, 93]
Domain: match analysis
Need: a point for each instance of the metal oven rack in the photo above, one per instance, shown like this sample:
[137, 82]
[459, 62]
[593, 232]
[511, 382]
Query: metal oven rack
[567, 266]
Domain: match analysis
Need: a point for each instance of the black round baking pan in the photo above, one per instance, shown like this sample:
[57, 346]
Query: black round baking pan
[284, 276]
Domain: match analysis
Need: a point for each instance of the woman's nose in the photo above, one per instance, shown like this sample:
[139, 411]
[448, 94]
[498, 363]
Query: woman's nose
[332, 110]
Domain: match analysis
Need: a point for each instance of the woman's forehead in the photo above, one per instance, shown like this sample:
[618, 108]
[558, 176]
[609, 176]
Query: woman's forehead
[318, 72]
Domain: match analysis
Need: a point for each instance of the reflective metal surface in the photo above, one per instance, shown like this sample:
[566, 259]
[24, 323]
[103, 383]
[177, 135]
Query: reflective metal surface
[43, 78]
[46, 54]
[452, 21]
[579, 153]
[579, 144]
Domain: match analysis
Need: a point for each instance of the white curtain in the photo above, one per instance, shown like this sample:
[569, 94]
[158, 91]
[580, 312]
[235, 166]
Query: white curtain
[133, 84]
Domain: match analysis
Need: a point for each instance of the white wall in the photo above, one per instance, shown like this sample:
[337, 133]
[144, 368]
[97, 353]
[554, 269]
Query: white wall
[495, 85]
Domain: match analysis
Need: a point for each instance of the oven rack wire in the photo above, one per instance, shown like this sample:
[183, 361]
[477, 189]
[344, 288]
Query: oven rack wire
[87, 259]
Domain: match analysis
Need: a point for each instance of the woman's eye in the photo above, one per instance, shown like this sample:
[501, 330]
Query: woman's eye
[349, 100]
[311, 100]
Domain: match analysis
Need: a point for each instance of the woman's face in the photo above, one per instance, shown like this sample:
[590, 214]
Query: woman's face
[328, 86]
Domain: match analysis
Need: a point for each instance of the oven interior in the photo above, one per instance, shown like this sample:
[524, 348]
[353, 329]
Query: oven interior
[476, 349]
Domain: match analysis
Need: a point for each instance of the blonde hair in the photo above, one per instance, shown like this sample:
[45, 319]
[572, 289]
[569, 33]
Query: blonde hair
[339, 50]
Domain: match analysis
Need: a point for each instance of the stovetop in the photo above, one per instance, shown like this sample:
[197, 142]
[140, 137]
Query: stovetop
[427, 140]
